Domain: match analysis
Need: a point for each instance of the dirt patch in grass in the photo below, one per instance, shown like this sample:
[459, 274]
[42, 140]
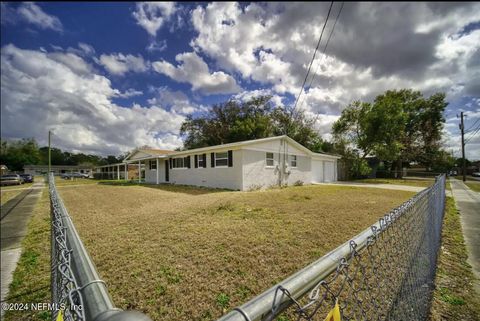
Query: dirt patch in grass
[31, 279]
[454, 297]
[179, 253]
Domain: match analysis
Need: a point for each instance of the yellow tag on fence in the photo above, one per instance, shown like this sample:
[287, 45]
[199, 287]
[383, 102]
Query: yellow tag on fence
[333, 315]
[60, 316]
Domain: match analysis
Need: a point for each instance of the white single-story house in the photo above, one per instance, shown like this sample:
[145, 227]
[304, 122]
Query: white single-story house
[253, 164]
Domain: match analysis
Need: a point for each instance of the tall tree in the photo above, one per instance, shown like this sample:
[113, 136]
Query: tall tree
[399, 126]
[234, 121]
[16, 154]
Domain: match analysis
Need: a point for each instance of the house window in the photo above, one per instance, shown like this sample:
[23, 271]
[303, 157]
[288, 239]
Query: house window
[181, 162]
[270, 162]
[200, 161]
[153, 164]
[178, 162]
[221, 159]
[293, 160]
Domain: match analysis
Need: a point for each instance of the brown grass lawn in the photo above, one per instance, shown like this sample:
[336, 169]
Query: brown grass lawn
[76, 181]
[393, 181]
[185, 253]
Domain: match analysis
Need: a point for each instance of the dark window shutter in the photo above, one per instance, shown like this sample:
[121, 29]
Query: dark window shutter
[230, 158]
[204, 160]
[171, 163]
[196, 161]
[212, 159]
[187, 159]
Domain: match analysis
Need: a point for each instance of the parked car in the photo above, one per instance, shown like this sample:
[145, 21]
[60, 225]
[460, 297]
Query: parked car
[27, 178]
[11, 179]
[74, 175]
[476, 174]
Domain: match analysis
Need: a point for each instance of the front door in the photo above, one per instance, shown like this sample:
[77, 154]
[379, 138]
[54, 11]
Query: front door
[167, 166]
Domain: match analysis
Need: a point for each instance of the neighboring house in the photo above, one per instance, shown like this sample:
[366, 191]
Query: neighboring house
[57, 169]
[3, 169]
[246, 165]
[116, 171]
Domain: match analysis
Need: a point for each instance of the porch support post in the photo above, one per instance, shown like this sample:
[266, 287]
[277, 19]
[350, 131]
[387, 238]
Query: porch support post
[118, 172]
[126, 171]
[158, 171]
[139, 172]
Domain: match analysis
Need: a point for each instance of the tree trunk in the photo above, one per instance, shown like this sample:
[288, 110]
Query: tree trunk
[399, 168]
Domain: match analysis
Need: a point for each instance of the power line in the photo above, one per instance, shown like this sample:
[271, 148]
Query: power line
[313, 58]
[326, 45]
[473, 133]
[323, 53]
[468, 130]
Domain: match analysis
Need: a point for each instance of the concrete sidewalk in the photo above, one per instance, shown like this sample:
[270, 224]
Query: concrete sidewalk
[468, 203]
[381, 186]
[16, 214]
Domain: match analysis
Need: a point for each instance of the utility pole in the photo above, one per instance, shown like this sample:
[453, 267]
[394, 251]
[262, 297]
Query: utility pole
[50, 155]
[462, 128]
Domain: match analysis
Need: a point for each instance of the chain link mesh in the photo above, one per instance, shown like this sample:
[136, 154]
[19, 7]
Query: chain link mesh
[389, 277]
[66, 294]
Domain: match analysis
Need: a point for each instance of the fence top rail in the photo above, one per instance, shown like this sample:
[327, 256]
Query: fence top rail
[98, 305]
[304, 280]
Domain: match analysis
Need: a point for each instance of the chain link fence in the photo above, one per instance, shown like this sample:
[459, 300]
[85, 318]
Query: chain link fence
[77, 291]
[384, 273]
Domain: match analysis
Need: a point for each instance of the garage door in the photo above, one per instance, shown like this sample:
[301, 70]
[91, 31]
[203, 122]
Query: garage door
[317, 171]
[329, 171]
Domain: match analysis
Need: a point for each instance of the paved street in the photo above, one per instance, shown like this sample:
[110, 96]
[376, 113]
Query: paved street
[468, 203]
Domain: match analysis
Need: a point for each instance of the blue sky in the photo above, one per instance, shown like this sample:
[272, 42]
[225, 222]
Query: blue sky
[109, 77]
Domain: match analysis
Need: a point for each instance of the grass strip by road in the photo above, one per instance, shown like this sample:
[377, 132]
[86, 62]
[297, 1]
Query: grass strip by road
[454, 297]
[473, 186]
[8, 195]
[31, 279]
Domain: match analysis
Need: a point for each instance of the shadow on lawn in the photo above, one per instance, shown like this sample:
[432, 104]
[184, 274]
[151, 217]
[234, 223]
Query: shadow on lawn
[186, 189]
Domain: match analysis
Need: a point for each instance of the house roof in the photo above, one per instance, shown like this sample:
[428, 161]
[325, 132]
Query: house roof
[156, 151]
[163, 154]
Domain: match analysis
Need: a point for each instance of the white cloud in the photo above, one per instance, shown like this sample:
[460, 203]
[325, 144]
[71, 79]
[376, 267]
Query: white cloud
[276, 100]
[86, 48]
[33, 14]
[157, 46]
[152, 15]
[130, 92]
[192, 69]
[273, 44]
[72, 61]
[175, 100]
[119, 64]
[40, 93]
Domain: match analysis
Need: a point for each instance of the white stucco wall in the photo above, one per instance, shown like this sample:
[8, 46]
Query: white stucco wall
[256, 174]
[151, 175]
[217, 177]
